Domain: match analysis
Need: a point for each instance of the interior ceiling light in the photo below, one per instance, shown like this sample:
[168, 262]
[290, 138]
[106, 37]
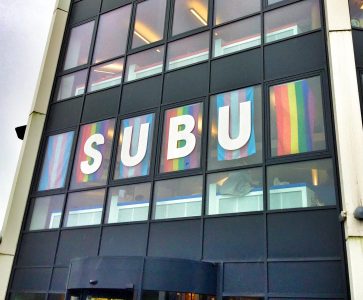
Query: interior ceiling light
[142, 37]
[107, 72]
[198, 16]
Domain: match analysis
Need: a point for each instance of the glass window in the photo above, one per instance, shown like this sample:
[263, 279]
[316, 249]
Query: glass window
[296, 117]
[84, 208]
[56, 159]
[135, 144]
[161, 295]
[178, 198]
[356, 13]
[225, 11]
[128, 203]
[188, 51]
[189, 14]
[106, 75]
[235, 191]
[93, 154]
[56, 297]
[46, 212]
[182, 138]
[149, 27]
[72, 85]
[237, 36]
[302, 184]
[112, 34]
[145, 63]
[269, 2]
[27, 296]
[291, 20]
[235, 128]
[79, 45]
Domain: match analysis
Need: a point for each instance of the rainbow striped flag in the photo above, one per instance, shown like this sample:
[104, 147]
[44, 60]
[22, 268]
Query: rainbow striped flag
[55, 165]
[193, 159]
[294, 105]
[143, 168]
[233, 99]
[106, 128]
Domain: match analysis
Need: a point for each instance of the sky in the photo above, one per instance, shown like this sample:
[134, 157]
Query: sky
[24, 27]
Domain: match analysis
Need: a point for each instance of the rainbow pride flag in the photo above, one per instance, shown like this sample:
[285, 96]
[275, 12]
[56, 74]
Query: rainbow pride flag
[106, 128]
[193, 159]
[143, 168]
[55, 165]
[233, 99]
[294, 106]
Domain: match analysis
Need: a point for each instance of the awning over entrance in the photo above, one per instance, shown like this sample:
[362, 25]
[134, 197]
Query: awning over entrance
[143, 273]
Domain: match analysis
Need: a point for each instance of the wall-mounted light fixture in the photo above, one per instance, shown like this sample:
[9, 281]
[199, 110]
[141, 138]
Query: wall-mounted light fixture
[198, 16]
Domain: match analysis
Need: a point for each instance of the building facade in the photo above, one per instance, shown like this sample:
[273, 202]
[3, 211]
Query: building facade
[192, 149]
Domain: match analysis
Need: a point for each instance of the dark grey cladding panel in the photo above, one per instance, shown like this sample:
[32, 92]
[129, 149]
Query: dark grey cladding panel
[36, 279]
[111, 4]
[168, 239]
[77, 243]
[180, 275]
[309, 234]
[244, 278]
[238, 237]
[65, 114]
[164, 274]
[124, 240]
[109, 272]
[101, 105]
[237, 70]
[358, 47]
[187, 83]
[143, 94]
[59, 280]
[84, 10]
[294, 56]
[307, 278]
[38, 249]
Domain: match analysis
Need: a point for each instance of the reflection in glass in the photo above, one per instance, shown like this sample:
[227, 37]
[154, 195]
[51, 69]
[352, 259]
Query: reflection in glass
[47, 212]
[237, 36]
[145, 63]
[244, 121]
[112, 34]
[269, 2]
[356, 13]
[161, 295]
[178, 198]
[27, 296]
[185, 158]
[132, 135]
[56, 159]
[188, 51]
[291, 20]
[235, 191]
[128, 203]
[72, 85]
[79, 45]
[149, 27]
[296, 117]
[302, 184]
[84, 208]
[189, 14]
[93, 154]
[225, 11]
[106, 75]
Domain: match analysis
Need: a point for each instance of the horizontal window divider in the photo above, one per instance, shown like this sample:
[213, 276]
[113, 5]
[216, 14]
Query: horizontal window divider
[81, 227]
[46, 193]
[140, 79]
[237, 52]
[61, 266]
[304, 259]
[297, 76]
[178, 174]
[291, 37]
[54, 101]
[73, 70]
[86, 189]
[237, 214]
[27, 267]
[302, 209]
[130, 181]
[279, 4]
[315, 155]
[98, 120]
[107, 60]
[146, 47]
[243, 294]
[89, 19]
[238, 19]
[245, 167]
[45, 230]
[138, 113]
[178, 219]
[124, 3]
[188, 33]
[187, 66]
[120, 224]
[240, 87]
[236, 261]
[306, 295]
